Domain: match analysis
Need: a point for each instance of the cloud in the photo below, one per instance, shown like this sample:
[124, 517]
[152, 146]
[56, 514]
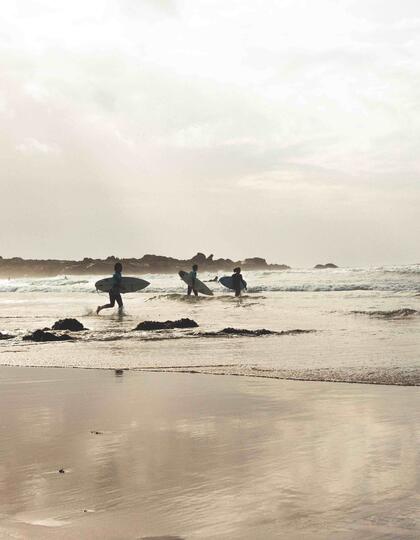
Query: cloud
[122, 115]
[33, 146]
[137, 7]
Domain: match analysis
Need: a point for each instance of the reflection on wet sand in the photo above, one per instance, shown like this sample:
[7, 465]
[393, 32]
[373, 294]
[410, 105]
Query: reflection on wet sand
[155, 455]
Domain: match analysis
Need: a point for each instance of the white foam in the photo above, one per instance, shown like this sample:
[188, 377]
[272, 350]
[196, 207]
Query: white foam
[391, 279]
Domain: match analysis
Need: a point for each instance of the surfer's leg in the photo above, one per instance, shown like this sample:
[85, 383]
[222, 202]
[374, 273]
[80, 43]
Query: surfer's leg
[189, 290]
[195, 293]
[237, 292]
[107, 306]
[111, 300]
[119, 301]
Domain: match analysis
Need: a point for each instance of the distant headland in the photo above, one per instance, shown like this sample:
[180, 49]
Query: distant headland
[158, 264]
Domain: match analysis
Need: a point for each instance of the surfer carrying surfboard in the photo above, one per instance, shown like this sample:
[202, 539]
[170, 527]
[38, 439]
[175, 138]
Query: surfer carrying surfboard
[238, 281]
[193, 274]
[194, 284]
[115, 291]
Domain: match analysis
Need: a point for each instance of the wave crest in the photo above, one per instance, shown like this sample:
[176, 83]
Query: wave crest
[391, 314]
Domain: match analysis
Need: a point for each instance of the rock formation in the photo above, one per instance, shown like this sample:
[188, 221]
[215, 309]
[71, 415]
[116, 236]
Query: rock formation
[325, 266]
[42, 335]
[166, 325]
[6, 336]
[68, 324]
[18, 267]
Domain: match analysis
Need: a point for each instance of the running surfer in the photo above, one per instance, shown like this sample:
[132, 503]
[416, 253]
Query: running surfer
[115, 291]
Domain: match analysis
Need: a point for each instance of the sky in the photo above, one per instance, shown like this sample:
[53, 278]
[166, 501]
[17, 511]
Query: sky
[285, 129]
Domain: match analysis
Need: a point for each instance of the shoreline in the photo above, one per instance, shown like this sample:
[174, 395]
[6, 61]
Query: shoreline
[250, 373]
[356, 337]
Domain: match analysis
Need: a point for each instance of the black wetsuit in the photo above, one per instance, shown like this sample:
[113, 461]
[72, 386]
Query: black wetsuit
[191, 288]
[115, 296]
[115, 292]
[238, 281]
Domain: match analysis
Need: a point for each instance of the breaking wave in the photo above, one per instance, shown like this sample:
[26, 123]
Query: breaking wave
[158, 335]
[314, 287]
[391, 314]
[180, 297]
[48, 285]
[383, 376]
[386, 279]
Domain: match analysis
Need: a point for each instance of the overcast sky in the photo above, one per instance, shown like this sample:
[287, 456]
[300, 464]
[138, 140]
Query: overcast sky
[287, 129]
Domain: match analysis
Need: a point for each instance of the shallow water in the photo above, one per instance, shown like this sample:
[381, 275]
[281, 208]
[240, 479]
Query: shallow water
[151, 455]
[366, 322]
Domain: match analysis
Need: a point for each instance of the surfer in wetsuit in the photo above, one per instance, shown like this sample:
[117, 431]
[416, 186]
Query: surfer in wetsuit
[115, 291]
[193, 275]
[238, 281]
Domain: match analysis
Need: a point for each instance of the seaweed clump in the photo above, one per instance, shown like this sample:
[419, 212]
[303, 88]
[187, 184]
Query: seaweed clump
[73, 325]
[166, 325]
[42, 335]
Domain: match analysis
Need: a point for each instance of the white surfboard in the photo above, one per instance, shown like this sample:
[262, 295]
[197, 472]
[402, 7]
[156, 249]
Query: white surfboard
[128, 284]
[199, 285]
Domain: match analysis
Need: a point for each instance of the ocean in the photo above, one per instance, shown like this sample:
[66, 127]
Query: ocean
[343, 325]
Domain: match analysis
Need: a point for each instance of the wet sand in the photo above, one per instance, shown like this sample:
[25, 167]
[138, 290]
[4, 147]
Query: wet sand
[170, 455]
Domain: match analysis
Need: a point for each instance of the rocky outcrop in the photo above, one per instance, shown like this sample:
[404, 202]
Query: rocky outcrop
[73, 325]
[200, 258]
[6, 336]
[42, 335]
[245, 332]
[254, 263]
[166, 325]
[255, 333]
[18, 267]
[325, 266]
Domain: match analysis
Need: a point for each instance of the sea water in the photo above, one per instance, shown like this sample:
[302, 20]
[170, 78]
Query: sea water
[360, 325]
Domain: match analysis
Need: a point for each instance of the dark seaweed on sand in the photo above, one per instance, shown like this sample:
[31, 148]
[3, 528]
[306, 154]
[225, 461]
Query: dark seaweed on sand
[255, 333]
[42, 335]
[68, 324]
[6, 336]
[166, 325]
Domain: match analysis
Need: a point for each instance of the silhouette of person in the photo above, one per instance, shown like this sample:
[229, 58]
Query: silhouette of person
[238, 281]
[115, 291]
[193, 274]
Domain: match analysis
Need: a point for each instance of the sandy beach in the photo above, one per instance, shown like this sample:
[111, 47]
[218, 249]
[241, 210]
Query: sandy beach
[170, 455]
